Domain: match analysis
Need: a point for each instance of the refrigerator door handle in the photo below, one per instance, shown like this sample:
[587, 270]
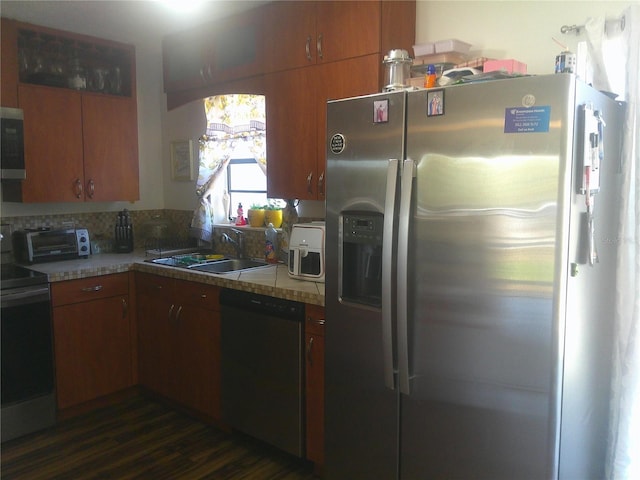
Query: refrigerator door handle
[408, 172]
[387, 274]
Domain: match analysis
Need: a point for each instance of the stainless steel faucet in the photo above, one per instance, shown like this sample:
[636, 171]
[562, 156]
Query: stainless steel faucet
[238, 242]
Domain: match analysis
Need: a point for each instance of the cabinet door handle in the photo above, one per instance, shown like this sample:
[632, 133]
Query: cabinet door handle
[178, 313]
[125, 308]
[95, 288]
[321, 184]
[170, 312]
[309, 178]
[204, 80]
[309, 349]
[307, 48]
[91, 188]
[78, 189]
[319, 46]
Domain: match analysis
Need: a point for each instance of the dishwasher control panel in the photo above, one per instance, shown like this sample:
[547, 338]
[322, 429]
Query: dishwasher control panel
[277, 307]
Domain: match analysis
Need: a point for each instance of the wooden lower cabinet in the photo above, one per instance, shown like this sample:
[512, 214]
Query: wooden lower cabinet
[314, 355]
[92, 338]
[179, 341]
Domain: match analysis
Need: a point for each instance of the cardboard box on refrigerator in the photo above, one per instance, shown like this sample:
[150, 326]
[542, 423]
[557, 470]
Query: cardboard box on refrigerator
[509, 66]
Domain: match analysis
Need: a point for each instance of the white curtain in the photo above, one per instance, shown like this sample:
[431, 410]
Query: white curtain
[235, 123]
[623, 459]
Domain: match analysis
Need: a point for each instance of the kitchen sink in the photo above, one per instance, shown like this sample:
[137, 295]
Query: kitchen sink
[209, 263]
[228, 265]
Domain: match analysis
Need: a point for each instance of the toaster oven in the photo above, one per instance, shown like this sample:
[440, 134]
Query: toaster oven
[48, 245]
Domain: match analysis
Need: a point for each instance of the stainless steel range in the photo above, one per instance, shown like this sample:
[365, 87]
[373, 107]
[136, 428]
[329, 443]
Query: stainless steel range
[28, 381]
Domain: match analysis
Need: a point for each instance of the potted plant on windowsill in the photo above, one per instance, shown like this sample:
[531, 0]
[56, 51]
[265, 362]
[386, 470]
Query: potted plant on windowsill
[273, 214]
[256, 215]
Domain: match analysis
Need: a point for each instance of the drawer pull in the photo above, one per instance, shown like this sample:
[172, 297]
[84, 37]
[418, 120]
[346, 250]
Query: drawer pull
[96, 288]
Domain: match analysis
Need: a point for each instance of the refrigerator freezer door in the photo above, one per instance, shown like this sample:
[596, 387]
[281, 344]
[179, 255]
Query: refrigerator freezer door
[365, 139]
[488, 203]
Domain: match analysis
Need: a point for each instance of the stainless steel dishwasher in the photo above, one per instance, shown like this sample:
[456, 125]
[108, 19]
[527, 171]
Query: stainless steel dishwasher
[262, 368]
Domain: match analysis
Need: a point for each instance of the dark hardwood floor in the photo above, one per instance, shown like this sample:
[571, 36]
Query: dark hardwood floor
[139, 438]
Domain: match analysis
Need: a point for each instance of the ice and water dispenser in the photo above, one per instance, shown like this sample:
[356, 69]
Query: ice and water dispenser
[362, 258]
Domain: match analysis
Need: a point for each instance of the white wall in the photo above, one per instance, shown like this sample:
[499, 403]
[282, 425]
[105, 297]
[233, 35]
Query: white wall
[187, 122]
[519, 29]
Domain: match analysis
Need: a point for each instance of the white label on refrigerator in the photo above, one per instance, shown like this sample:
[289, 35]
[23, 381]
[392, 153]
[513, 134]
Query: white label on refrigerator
[527, 120]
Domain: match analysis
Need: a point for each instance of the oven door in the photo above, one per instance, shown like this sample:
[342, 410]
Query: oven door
[27, 363]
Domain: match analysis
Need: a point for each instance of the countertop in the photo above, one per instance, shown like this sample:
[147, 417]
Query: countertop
[272, 280]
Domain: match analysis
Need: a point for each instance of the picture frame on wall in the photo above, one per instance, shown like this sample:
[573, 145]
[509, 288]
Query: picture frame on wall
[182, 167]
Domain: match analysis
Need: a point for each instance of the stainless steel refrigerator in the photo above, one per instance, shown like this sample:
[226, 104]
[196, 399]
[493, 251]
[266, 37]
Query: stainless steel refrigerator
[470, 258]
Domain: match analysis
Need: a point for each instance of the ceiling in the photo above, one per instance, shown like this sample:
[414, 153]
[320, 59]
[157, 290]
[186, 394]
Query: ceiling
[131, 21]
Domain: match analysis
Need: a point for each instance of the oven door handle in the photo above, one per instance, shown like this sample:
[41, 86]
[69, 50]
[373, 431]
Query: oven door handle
[24, 296]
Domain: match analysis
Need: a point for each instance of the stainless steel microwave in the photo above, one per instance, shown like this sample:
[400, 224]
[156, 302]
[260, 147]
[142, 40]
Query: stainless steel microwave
[12, 139]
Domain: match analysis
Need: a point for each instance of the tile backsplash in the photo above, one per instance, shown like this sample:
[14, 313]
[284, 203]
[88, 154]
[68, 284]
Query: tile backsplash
[101, 228]
[101, 224]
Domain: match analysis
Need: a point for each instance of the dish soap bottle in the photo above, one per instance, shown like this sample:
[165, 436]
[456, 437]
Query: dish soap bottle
[271, 245]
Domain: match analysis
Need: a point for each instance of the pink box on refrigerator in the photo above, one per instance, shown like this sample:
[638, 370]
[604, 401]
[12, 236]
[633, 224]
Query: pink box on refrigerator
[510, 66]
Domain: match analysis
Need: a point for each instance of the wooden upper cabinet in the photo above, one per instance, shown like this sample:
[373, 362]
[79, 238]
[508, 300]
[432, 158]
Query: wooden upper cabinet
[53, 144]
[291, 133]
[290, 31]
[347, 29]
[236, 49]
[110, 140]
[296, 121]
[9, 64]
[78, 94]
[185, 60]
[217, 52]
[307, 33]
[78, 147]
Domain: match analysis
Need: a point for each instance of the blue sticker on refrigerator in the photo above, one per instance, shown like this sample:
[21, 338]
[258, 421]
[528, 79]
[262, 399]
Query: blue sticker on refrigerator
[527, 120]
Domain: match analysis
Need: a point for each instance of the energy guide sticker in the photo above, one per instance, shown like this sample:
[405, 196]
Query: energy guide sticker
[526, 120]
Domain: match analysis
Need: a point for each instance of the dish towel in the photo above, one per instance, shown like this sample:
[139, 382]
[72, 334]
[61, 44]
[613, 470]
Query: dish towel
[202, 221]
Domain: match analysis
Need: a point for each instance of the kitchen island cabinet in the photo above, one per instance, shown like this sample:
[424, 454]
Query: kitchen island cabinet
[314, 364]
[92, 338]
[179, 342]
